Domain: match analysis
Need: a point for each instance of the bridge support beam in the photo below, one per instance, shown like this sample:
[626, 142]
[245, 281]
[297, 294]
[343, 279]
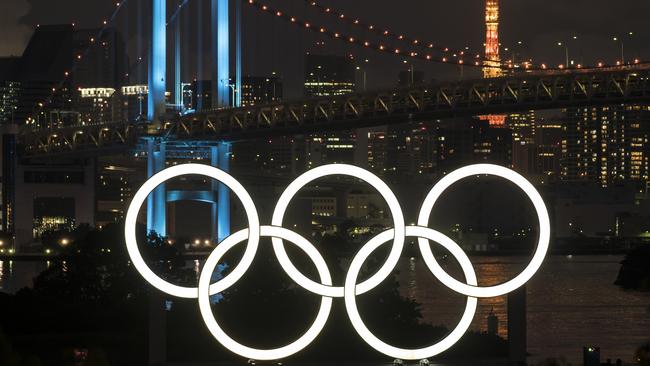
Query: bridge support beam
[220, 67]
[157, 61]
[157, 200]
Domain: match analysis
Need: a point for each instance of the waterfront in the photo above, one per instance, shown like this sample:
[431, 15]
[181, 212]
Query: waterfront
[572, 302]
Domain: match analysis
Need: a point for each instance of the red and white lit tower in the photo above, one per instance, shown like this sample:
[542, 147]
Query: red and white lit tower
[493, 60]
[492, 39]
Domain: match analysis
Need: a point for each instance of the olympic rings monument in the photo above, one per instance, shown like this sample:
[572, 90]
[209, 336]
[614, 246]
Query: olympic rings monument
[350, 289]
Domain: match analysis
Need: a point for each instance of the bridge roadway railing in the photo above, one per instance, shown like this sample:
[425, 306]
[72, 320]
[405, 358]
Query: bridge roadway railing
[424, 102]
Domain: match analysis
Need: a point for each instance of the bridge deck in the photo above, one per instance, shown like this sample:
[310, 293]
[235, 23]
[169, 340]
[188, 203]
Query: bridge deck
[424, 102]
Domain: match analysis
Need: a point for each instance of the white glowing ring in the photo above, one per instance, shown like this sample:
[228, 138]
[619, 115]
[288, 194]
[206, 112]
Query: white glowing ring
[542, 245]
[373, 181]
[368, 336]
[325, 288]
[238, 348]
[173, 172]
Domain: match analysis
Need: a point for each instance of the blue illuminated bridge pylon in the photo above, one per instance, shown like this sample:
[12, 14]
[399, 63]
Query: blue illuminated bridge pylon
[225, 94]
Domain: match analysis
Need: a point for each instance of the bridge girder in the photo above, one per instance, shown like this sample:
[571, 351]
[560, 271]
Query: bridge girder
[426, 102]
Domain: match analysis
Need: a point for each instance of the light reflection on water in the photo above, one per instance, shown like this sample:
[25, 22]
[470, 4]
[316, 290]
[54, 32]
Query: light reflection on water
[571, 302]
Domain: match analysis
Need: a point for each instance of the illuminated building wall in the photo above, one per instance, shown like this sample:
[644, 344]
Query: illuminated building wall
[53, 214]
[548, 150]
[377, 154]
[330, 148]
[369, 206]
[134, 102]
[261, 90]
[113, 188]
[9, 94]
[324, 206]
[607, 144]
[327, 75]
[97, 105]
[492, 39]
[255, 90]
[523, 126]
[278, 155]
[411, 151]
[51, 197]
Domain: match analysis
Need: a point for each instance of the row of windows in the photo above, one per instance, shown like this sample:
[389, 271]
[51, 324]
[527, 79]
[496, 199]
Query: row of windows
[40, 177]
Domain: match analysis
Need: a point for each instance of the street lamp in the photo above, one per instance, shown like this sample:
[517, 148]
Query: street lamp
[364, 75]
[621, 40]
[566, 52]
[233, 102]
[234, 90]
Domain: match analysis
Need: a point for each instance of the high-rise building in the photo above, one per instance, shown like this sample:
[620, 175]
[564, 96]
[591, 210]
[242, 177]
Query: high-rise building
[48, 80]
[523, 126]
[330, 148]
[411, 150]
[255, 90]
[113, 188]
[548, 150]
[327, 75]
[103, 62]
[98, 105]
[261, 90]
[134, 99]
[377, 151]
[9, 94]
[607, 144]
[466, 141]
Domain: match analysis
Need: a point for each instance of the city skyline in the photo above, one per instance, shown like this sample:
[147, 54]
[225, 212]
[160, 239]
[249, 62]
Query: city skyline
[143, 140]
[539, 34]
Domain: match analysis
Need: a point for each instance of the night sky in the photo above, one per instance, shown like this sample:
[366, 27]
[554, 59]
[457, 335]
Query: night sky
[271, 45]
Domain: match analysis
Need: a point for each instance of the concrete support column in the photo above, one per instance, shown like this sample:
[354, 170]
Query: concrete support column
[178, 84]
[157, 61]
[157, 200]
[223, 230]
[220, 53]
[238, 51]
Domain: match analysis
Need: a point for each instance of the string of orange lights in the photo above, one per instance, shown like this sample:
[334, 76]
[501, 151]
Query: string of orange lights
[385, 33]
[453, 59]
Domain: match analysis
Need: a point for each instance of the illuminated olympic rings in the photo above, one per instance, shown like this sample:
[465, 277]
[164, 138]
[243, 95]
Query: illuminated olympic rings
[397, 235]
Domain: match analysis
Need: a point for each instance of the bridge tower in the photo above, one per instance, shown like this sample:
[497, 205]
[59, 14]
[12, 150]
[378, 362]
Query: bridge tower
[157, 61]
[225, 94]
[492, 40]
